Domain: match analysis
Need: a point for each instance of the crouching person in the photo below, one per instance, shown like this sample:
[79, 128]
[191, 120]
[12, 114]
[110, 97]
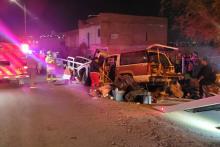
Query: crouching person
[95, 77]
[67, 75]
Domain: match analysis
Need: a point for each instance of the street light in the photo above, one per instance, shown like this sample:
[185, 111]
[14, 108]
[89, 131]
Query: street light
[13, 1]
[90, 15]
[25, 13]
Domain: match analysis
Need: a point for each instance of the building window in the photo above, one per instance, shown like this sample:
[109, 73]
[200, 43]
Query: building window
[146, 37]
[99, 33]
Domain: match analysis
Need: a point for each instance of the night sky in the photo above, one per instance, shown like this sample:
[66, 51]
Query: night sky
[62, 15]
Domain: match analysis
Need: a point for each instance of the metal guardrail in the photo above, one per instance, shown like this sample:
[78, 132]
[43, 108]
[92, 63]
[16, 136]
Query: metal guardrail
[71, 64]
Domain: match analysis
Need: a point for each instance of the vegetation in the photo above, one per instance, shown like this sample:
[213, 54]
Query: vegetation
[198, 20]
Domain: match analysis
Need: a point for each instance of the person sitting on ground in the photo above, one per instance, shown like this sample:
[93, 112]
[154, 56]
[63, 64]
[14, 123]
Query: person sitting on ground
[206, 76]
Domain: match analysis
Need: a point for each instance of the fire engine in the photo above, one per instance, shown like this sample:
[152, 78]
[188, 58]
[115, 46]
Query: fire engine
[13, 65]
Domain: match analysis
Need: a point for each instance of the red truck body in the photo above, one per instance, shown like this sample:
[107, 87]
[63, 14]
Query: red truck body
[13, 63]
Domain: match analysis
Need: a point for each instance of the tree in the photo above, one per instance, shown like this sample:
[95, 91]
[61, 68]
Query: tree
[198, 20]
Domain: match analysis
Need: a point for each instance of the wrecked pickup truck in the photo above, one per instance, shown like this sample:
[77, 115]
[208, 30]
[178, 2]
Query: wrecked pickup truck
[150, 65]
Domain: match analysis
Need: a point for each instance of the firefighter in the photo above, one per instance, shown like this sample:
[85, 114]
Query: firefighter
[50, 61]
[32, 70]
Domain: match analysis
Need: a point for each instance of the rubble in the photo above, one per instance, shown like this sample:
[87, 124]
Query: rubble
[105, 90]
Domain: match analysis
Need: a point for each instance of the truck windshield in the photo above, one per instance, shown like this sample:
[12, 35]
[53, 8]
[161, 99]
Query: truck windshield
[153, 56]
[133, 58]
[164, 60]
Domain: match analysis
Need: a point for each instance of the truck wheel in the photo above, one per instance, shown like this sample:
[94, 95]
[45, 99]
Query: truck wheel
[124, 81]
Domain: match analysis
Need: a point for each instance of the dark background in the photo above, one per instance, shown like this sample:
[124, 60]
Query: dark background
[62, 15]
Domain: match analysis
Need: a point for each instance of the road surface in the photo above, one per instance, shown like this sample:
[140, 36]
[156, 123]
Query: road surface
[65, 116]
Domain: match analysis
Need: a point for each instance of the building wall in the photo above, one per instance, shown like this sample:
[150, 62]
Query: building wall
[126, 32]
[90, 35]
[119, 33]
[53, 44]
[72, 42]
[72, 39]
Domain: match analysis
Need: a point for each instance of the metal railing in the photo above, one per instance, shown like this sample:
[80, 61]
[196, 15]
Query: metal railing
[73, 65]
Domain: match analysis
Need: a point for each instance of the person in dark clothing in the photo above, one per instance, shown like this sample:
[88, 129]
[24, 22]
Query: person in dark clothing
[196, 68]
[94, 75]
[178, 63]
[206, 76]
[101, 60]
[190, 68]
[112, 72]
[94, 66]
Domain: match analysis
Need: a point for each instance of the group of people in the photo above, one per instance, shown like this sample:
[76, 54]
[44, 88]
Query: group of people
[198, 75]
[185, 62]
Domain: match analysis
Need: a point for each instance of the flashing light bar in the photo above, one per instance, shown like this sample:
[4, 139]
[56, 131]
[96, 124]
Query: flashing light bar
[25, 48]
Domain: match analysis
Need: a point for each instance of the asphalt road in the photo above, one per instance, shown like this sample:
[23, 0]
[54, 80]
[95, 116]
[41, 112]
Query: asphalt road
[65, 116]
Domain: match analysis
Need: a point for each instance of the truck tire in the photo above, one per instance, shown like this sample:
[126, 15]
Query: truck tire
[123, 81]
[131, 96]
